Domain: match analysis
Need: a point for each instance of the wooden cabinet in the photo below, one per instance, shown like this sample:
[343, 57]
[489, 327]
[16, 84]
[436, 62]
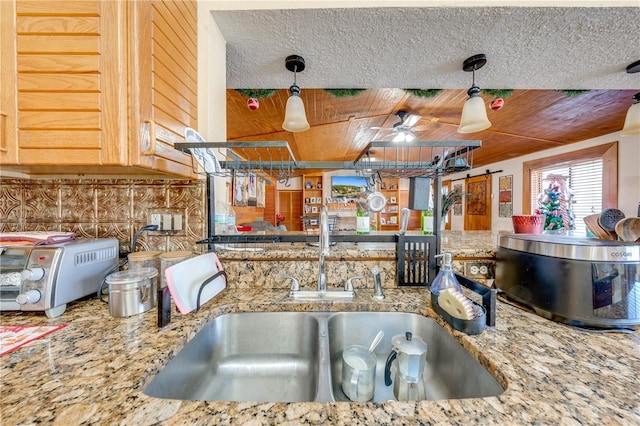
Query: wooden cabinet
[312, 186]
[99, 87]
[389, 218]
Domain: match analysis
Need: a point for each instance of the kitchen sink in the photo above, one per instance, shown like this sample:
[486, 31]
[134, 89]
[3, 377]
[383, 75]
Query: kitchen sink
[256, 356]
[450, 372]
[296, 357]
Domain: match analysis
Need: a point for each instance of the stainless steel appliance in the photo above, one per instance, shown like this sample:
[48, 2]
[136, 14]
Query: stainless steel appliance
[578, 281]
[45, 278]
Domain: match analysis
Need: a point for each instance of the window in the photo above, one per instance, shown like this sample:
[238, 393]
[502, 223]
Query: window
[591, 174]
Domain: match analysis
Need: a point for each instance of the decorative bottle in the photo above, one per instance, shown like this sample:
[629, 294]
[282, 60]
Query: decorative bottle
[363, 224]
[426, 218]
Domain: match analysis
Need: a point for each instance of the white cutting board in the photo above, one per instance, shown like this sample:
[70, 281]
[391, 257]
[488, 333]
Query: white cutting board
[185, 278]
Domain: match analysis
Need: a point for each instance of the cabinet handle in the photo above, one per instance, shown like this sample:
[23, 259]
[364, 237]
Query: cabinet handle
[152, 138]
[3, 132]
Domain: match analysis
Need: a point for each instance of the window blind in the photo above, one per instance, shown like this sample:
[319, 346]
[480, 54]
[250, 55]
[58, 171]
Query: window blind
[585, 178]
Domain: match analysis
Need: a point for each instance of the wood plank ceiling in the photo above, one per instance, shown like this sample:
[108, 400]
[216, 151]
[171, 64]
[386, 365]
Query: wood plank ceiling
[530, 121]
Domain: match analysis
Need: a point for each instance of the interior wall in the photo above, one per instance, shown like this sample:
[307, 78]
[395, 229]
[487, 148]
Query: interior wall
[628, 178]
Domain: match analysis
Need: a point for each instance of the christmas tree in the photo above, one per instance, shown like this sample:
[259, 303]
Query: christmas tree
[555, 203]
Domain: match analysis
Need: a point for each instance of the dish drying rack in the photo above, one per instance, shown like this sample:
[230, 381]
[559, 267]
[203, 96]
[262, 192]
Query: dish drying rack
[378, 160]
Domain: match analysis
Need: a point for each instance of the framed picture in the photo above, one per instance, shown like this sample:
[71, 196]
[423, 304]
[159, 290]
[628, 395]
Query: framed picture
[383, 221]
[307, 200]
[240, 189]
[393, 220]
[313, 200]
[319, 185]
[392, 200]
[308, 185]
[505, 208]
[314, 209]
[307, 208]
[261, 193]
[393, 209]
[393, 186]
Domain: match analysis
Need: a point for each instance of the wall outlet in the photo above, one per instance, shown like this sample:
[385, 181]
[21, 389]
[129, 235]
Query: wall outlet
[169, 221]
[479, 269]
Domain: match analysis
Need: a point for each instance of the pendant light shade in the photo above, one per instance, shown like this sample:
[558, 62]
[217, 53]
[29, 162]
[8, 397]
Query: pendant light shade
[632, 122]
[474, 113]
[295, 117]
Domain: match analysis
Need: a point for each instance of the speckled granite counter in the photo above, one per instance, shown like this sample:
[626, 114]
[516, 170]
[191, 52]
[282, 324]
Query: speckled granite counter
[93, 371]
[258, 265]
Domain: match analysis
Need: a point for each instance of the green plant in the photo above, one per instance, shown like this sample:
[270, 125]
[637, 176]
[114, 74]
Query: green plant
[424, 93]
[344, 93]
[498, 93]
[257, 93]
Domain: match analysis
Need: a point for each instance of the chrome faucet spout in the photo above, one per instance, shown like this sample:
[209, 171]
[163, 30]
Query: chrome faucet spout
[323, 243]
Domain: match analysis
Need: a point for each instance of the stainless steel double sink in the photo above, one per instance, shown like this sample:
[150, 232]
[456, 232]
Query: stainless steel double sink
[296, 357]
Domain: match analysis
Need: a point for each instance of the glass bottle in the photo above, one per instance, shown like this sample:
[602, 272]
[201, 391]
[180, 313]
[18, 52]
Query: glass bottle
[426, 218]
[362, 221]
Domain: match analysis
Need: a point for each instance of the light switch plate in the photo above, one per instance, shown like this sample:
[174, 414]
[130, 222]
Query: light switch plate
[169, 221]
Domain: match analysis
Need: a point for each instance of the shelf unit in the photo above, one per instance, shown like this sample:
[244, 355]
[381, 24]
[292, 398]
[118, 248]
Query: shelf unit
[389, 218]
[312, 200]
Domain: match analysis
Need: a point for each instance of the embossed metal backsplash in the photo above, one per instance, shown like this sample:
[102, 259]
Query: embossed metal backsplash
[104, 208]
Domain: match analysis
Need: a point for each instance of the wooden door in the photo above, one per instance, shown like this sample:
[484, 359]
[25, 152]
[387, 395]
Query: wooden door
[164, 84]
[477, 214]
[290, 206]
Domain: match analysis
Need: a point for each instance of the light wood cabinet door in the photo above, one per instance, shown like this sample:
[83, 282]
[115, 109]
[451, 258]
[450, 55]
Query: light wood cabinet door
[94, 90]
[8, 105]
[163, 99]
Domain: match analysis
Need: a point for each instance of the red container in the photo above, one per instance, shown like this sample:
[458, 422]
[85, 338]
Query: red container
[528, 223]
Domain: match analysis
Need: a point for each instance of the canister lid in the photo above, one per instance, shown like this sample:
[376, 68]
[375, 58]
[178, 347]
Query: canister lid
[175, 254]
[131, 275]
[143, 255]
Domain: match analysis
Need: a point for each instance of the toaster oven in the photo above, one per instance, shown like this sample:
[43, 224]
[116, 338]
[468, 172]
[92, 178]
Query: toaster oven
[45, 278]
[579, 281]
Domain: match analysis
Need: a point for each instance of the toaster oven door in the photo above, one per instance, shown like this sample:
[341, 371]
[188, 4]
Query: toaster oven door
[13, 260]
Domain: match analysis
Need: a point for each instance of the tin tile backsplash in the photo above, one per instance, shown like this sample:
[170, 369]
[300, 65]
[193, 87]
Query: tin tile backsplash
[104, 208]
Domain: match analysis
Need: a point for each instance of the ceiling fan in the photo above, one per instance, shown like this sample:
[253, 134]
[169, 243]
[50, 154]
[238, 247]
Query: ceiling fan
[404, 129]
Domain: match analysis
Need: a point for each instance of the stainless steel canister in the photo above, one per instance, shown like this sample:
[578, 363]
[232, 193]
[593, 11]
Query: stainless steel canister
[132, 291]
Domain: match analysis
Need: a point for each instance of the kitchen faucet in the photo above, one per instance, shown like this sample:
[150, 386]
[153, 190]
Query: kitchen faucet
[323, 243]
[322, 293]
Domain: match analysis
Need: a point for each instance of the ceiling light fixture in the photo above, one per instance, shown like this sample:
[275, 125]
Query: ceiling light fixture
[632, 121]
[295, 118]
[474, 114]
[404, 136]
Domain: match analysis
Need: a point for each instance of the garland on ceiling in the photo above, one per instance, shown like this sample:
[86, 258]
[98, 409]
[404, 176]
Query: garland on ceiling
[424, 93]
[573, 93]
[344, 93]
[257, 93]
[498, 93]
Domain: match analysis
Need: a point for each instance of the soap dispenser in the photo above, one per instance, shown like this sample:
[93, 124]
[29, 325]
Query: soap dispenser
[446, 277]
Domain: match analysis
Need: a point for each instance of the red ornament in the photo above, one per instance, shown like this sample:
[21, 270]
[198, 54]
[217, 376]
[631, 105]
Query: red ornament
[496, 104]
[253, 104]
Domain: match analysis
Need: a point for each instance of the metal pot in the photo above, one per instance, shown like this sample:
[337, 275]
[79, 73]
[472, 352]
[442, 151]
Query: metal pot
[132, 292]
[371, 201]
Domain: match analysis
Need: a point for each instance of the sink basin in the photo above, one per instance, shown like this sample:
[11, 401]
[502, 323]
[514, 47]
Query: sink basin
[259, 356]
[296, 357]
[450, 372]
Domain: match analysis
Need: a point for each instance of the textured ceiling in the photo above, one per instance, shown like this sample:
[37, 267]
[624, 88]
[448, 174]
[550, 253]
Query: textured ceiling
[526, 48]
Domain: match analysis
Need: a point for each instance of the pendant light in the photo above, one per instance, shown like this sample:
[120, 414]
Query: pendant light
[295, 118]
[632, 121]
[474, 113]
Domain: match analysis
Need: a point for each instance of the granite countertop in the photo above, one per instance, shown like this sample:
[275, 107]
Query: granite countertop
[462, 244]
[93, 371]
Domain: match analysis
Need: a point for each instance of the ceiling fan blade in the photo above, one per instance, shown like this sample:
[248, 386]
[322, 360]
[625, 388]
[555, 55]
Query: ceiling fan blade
[380, 128]
[411, 120]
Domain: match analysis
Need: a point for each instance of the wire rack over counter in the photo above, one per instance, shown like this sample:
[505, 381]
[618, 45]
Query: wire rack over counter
[386, 158]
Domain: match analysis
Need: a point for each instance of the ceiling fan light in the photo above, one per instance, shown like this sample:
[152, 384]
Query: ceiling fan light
[295, 118]
[474, 116]
[632, 121]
